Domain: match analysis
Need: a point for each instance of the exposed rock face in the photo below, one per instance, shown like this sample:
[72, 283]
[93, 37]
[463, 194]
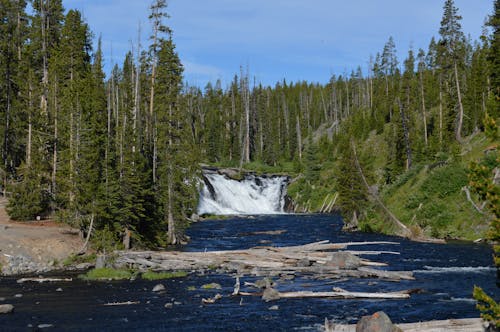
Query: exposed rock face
[6, 308]
[378, 322]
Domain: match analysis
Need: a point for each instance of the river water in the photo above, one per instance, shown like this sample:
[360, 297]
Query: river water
[445, 273]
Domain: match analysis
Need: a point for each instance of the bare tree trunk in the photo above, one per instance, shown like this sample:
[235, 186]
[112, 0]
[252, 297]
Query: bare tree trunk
[30, 125]
[45, 61]
[440, 116]
[458, 132]
[299, 138]
[405, 231]
[151, 98]
[56, 138]
[247, 121]
[136, 90]
[348, 97]
[424, 115]
[170, 217]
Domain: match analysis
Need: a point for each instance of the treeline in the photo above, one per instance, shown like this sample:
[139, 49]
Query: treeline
[114, 155]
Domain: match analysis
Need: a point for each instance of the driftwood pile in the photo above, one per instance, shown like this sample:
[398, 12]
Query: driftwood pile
[320, 260]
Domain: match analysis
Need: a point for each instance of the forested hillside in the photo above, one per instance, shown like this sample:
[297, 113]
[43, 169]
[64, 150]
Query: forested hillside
[391, 144]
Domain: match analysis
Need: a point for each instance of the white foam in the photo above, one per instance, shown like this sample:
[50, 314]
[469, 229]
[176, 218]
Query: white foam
[457, 269]
[252, 195]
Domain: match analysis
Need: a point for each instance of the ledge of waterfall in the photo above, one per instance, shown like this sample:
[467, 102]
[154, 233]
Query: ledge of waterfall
[229, 191]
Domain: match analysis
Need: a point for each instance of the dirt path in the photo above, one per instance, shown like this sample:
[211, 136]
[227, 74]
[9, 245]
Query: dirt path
[34, 246]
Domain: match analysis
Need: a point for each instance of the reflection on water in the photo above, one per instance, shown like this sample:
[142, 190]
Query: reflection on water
[446, 273]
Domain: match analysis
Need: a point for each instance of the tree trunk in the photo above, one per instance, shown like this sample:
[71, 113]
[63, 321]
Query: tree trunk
[299, 138]
[405, 231]
[424, 115]
[440, 115]
[458, 132]
[56, 138]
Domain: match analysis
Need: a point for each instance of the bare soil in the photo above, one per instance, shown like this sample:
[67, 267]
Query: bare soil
[42, 242]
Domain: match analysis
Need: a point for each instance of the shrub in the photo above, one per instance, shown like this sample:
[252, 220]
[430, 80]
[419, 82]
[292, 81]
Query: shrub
[107, 274]
[151, 275]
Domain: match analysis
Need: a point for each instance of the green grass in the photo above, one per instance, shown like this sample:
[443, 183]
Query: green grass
[107, 274]
[433, 201]
[78, 259]
[151, 275]
[212, 285]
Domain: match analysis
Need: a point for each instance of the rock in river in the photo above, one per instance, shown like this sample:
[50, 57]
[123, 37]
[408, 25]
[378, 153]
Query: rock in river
[378, 322]
[6, 308]
[158, 288]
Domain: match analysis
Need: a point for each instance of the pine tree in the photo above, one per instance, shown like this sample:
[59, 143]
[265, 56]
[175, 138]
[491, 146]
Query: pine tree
[494, 60]
[176, 164]
[451, 57]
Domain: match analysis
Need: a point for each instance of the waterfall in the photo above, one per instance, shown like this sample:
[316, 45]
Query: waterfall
[222, 195]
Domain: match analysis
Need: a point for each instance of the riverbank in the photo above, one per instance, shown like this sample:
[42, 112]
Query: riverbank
[34, 246]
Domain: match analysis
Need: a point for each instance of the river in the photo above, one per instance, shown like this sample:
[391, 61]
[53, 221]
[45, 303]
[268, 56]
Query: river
[445, 273]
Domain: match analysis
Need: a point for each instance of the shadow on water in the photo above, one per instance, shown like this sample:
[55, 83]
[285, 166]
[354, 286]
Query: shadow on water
[446, 273]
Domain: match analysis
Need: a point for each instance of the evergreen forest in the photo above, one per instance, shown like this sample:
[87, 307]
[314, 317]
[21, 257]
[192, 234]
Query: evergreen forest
[406, 147]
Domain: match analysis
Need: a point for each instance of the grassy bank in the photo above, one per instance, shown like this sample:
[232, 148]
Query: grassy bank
[429, 198]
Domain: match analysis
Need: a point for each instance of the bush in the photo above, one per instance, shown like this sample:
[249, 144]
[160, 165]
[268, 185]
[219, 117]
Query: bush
[151, 275]
[107, 274]
[445, 181]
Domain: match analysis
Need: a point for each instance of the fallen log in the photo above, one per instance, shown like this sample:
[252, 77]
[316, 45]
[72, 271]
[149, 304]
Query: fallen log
[211, 300]
[344, 295]
[448, 325]
[121, 303]
[42, 280]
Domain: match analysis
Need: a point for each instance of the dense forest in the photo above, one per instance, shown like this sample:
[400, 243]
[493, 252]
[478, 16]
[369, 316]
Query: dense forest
[122, 151]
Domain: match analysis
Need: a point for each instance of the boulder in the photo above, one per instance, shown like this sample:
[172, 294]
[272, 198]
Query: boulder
[378, 322]
[270, 294]
[158, 288]
[6, 308]
[345, 260]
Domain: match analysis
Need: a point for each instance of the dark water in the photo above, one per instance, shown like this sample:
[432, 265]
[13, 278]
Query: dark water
[446, 273]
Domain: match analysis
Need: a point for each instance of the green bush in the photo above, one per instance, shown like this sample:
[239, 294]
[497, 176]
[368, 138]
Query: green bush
[107, 274]
[445, 181]
[151, 275]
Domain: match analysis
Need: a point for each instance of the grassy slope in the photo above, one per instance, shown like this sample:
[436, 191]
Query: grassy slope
[429, 198]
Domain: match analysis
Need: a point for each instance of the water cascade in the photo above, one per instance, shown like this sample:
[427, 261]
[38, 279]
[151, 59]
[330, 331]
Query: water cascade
[222, 195]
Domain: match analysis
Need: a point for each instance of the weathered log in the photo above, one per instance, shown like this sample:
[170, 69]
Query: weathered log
[121, 303]
[211, 300]
[448, 325]
[335, 295]
[41, 280]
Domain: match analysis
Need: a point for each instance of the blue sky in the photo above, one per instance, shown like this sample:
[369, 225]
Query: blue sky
[293, 39]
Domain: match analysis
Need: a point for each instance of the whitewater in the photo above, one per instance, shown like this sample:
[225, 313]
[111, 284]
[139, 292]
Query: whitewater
[221, 195]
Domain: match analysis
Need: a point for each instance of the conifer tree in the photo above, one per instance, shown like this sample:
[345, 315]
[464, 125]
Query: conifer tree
[451, 57]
